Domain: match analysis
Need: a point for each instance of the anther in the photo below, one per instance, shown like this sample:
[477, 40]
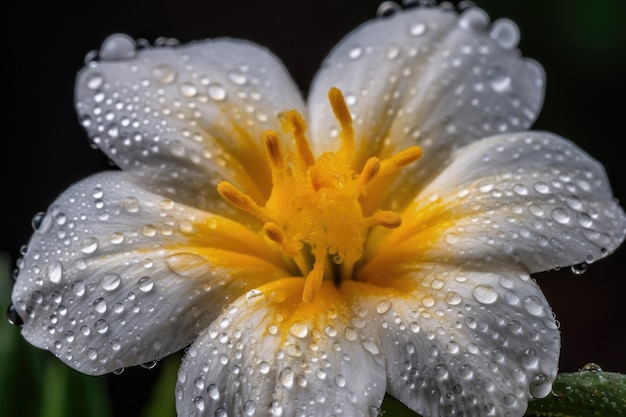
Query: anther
[272, 149]
[289, 248]
[240, 200]
[385, 218]
[369, 171]
[342, 114]
[292, 122]
[400, 160]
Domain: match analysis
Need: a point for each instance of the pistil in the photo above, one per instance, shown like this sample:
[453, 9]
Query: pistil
[315, 204]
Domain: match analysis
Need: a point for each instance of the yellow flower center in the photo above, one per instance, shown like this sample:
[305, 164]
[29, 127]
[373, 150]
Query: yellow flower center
[314, 213]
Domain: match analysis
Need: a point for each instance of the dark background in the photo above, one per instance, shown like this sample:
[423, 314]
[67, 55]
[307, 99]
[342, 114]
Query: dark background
[581, 45]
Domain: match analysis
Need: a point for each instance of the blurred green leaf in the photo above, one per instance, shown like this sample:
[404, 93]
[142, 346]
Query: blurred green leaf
[37, 384]
[162, 401]
[587, 393]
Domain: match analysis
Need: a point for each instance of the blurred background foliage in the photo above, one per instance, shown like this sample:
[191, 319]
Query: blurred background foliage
[581, 45]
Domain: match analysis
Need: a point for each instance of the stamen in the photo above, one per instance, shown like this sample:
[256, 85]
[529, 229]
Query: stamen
[314, 280]
[369, 171]
[274, 154]
[400, 160]
[343, 116]
[289, 248]
[292, 122]
[384, 218]
[240, 200]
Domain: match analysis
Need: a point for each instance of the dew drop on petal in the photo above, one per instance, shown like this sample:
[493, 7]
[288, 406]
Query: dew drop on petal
[146, 284]
[580, 268]
[505, 33]
[485, 294]
[383, 306]
[217, 92]
[55, 272]
[474, 18]
[13, 317]
[111, 281]
[164, 74]
[539, 386]
[388, 8]
[417, 29]
[198, 402]
[118, 47]
[299, 329]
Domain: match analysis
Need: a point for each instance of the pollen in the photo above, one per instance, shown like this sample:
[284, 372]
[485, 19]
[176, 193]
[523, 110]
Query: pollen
[314, 214]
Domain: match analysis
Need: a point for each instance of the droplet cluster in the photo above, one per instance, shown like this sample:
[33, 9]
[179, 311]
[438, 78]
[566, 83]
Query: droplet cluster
[473, 343]
[90, 285]
[257, 359]
[184, 112]
[444, 79]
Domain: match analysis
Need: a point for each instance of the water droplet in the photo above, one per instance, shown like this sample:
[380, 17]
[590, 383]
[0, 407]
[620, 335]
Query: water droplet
[500, 81]
[40, 222]
[117, 47]
[591, 367]
[100, 305]
[417, 29]
[453, 298]
[101, 326]
[350, 334]
[149, 365]
[383, 306]
[286, 377]
[474, 18]
[355, 52]
[540, 386]
[466, 371]
[188, 90]
[441, 371]
[388, 8]
[529, 358]
[111, 281]
[131, 204]
[580, 268]
[560, 215]
[94, 81]
[371, 347]
[13, 317]
[485, 294]
[237, 78]
[533, 305]
[89, 245]
[217, 92]
[198, 402]
[55, 272]
[164, 74]
[146, 284]
[505, 33]
[299, 329]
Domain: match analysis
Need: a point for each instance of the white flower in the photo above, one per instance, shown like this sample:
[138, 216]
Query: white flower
[388, 247]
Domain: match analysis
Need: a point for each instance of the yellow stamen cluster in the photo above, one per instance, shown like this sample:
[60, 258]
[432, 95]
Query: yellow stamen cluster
[314, 214]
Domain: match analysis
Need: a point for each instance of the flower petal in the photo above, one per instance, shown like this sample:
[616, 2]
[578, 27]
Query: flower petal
[270, 353]
[187, 116]
[531, 198]
[116, 276]
[468, 343]
[427, 77]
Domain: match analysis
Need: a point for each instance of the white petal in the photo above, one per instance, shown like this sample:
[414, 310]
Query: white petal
[427, 77]
[530, 198]
[187, 116]
[271, 354]
[468, 343]
[116, 276]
